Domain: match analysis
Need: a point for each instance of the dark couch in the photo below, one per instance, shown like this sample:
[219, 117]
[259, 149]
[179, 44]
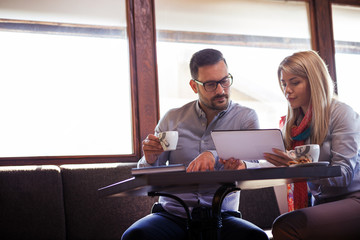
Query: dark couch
[61, 202]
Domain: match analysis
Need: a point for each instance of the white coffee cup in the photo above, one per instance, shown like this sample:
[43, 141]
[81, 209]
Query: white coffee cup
[168, 140]
[311, 152]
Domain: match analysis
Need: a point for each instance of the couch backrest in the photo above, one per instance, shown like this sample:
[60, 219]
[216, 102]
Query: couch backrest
[50, 202]
[31, 203]
[90, 217]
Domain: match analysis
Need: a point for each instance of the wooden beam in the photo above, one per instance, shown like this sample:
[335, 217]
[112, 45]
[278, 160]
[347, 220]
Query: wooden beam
[145, 70]
[322, 33]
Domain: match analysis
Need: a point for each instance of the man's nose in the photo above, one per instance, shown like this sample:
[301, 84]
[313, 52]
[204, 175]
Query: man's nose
[220, 89]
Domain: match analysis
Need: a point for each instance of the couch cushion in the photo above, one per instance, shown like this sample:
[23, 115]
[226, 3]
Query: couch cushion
[31, 203]
[90, 217]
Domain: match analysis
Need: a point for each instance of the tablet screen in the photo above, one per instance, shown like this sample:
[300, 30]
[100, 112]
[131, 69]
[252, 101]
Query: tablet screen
[247, 144]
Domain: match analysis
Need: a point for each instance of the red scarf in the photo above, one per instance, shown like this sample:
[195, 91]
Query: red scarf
[302, 132]
[298, 192]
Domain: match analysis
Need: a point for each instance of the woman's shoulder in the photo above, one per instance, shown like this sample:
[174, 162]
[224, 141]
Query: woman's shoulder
[338, 108]
[342, 113]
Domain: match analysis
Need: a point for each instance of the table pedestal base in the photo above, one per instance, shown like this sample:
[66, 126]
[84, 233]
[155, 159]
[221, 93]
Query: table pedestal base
[208, 225]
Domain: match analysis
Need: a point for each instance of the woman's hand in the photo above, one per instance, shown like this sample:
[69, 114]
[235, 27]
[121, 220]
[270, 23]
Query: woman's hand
[233, 164]
[278, 158]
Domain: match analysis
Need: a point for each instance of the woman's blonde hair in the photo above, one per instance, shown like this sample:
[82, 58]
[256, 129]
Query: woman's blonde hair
[310, 66]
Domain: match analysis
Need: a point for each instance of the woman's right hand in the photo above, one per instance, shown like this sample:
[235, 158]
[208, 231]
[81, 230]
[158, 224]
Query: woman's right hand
[278, 158]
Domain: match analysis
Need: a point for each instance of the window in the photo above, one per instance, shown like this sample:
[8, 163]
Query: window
[254, 37]
[346, 24]
[64, 79]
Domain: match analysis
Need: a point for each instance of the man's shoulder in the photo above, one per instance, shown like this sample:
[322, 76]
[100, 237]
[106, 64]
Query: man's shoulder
[185, 107]
[236, 107]
[181, 110]
[175, 116]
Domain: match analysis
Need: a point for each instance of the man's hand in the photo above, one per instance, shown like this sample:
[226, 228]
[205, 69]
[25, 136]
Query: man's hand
[204, 162]
[233, 164]
[151, 148]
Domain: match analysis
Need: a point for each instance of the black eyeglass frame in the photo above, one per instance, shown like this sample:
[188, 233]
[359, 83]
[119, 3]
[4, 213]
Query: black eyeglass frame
[229, 76]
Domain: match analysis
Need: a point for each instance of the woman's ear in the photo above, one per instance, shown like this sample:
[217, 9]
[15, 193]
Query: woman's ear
[193, 85]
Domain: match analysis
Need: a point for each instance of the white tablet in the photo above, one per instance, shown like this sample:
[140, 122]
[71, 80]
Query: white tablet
[247, 144]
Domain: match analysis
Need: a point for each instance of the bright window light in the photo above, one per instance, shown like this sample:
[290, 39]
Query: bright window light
[64, 95]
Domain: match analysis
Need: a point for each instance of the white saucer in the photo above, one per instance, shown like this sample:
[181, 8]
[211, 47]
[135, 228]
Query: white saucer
[313, 164]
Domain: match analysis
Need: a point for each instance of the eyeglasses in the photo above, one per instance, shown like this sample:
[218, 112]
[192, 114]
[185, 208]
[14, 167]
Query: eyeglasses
[211, 86]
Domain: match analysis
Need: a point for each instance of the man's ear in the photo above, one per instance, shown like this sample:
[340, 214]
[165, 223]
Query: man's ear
[193, 85]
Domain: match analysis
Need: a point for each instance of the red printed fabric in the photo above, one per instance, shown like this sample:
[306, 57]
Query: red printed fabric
[297, 193]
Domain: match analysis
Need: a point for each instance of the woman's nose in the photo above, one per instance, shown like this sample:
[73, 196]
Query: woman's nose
[287, 90]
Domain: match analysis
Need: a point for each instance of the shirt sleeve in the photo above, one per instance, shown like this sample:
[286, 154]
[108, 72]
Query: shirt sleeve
[143, 163]
[258, 164]
[345, 143]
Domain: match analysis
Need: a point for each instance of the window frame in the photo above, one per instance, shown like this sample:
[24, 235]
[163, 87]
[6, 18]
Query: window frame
[144, 93]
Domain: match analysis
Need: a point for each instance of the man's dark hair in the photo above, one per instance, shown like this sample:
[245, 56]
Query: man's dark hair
[202, 58]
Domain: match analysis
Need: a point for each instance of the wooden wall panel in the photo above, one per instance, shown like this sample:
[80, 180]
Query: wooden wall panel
[146, 71]
[322, 33]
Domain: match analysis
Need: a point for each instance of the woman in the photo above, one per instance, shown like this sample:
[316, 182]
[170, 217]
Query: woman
[315, 117]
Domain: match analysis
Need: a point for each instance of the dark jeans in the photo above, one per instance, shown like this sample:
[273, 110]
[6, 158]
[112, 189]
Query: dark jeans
[164, 226]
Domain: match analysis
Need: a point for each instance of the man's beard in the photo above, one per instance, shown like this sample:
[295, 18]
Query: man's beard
[213, 106]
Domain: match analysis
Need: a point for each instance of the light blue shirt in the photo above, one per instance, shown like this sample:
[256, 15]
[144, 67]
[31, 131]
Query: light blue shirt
[341, 147]
[194, 138]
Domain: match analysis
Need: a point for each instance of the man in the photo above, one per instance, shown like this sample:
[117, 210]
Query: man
[194, 122]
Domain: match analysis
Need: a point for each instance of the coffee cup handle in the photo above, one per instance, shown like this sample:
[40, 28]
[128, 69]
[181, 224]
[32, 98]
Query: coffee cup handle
[166, 143]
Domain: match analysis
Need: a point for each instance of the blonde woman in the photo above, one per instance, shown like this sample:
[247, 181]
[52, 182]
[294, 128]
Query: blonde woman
[314, 116]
